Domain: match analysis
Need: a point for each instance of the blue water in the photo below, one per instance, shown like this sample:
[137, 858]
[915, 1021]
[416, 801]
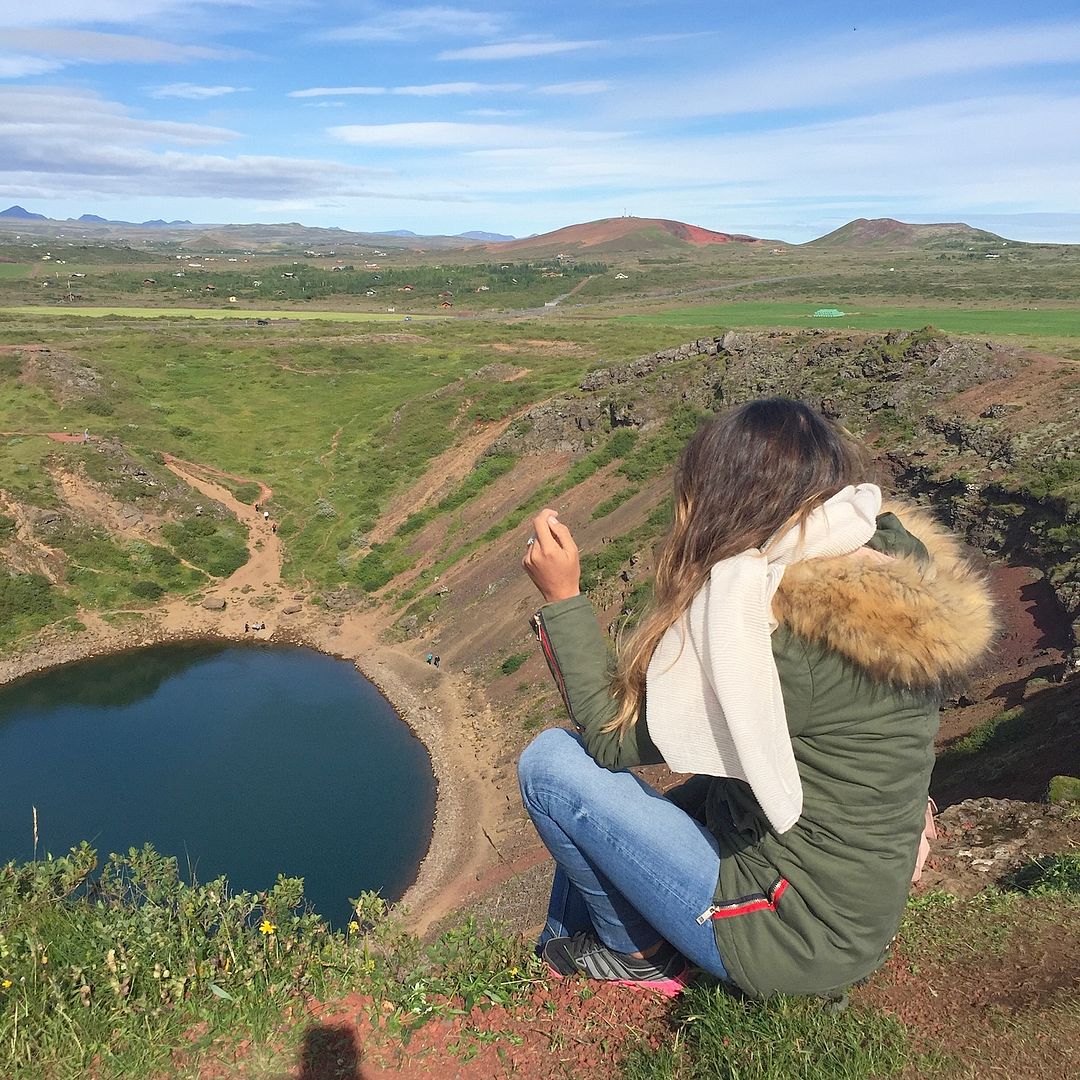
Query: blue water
[244, 761]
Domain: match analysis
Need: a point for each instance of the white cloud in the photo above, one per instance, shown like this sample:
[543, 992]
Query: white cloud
[440, 135]
[517, 50]
[42, 113]
[121, 12]
[576, 89]
[45, 153]
[194, 92]
[438, 89]
[428, 90]
[398, 24]
[496, 112]
[94, 47]
[18, 67]
[339, 91]
[925, 157]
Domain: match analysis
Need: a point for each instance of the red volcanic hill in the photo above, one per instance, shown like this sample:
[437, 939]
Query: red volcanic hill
[622, 234]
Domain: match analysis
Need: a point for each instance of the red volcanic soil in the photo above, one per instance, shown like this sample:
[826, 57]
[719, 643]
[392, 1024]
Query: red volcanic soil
[608, 230]
[695, 234]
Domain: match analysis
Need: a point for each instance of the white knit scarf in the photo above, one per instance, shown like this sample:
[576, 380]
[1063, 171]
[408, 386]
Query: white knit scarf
[712, 689]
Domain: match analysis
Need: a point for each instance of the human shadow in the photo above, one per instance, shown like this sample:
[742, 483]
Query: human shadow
[329, 1052]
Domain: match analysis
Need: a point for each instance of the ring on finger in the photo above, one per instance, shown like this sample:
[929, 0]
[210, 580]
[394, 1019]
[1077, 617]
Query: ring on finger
[530, 541]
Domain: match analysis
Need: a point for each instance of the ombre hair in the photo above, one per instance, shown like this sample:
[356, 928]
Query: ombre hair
[744, 477]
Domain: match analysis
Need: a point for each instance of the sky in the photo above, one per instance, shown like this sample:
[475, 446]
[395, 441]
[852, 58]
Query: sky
[782, 120]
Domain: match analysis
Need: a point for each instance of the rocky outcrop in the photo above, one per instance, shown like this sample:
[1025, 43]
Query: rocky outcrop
[896, 387]
[636, 395]
[605, 378]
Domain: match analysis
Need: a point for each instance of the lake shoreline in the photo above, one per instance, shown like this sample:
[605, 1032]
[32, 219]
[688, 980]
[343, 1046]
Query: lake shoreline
[434, 704]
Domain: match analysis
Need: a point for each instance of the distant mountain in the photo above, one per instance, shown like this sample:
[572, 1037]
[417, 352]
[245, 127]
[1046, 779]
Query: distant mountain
[623, 234]
[890, 233]
[629, 235]
[486, 237]
[156, 223]
[18, 213]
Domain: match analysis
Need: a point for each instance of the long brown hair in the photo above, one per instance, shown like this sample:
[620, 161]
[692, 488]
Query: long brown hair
[743, 477]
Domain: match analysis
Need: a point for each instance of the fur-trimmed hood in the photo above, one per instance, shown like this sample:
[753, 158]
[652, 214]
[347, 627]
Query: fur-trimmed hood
[905, 620]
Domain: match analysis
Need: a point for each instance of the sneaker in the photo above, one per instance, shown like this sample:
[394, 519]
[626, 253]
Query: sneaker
[585, 954]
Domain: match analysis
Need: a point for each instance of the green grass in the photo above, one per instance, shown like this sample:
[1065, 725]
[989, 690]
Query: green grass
[512, 663]
[107, 973]
[336, 417]
[991, 734]
[487, 470]
[391, 559]
[723, 1038]
[1046, 321]
[27, 603]
[10, 271]
[245, 314]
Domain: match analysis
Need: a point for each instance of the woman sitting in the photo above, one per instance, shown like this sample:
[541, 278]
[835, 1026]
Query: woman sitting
[794, 659]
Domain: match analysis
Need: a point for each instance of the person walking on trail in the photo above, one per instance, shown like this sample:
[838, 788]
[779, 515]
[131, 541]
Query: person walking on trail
[86, 435]
[266, 515]
[794, 658]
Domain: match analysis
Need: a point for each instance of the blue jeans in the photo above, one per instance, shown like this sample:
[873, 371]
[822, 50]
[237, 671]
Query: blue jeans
[629, 864]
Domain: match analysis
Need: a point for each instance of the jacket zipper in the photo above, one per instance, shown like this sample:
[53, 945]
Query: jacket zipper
[745, 904]
[552, 661]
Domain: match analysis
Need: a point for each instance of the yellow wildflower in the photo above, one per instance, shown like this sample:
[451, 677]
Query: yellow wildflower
[267, 927]
[6, 983]
[354, 927]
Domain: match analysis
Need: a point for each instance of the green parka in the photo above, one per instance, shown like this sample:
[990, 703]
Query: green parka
[863, 651]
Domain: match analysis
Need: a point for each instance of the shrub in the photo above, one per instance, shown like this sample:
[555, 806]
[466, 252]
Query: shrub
[99, 407]
[218, 547]
[512, 663]
[147, 590]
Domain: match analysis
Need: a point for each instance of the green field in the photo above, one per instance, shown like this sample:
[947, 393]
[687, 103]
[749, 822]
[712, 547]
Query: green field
[13, 270]
[1038, 322]
[329, 410]
[207, 313]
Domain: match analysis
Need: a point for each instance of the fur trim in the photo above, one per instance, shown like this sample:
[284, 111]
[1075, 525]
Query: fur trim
[913, 624]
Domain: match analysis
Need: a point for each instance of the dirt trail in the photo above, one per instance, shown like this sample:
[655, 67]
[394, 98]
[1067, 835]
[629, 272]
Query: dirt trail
[446, 470]
[263, 568]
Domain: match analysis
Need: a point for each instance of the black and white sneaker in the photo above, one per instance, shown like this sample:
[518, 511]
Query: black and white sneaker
[585, 954]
